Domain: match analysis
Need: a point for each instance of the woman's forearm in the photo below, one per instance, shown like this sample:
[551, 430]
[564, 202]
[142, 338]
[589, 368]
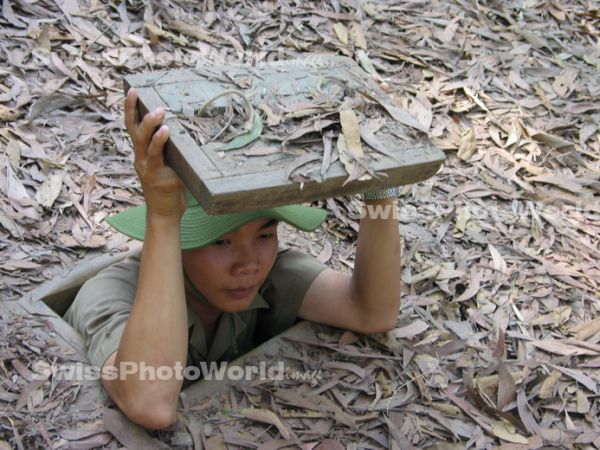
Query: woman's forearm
[156, 333]
[376, 276]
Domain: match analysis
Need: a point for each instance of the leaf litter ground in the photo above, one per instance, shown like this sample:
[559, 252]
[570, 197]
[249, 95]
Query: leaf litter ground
[497, 340]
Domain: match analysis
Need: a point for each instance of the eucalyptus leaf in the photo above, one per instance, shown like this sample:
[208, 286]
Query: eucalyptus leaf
[244, 139]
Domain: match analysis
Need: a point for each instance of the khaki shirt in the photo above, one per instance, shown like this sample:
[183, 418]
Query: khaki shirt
[103, 304]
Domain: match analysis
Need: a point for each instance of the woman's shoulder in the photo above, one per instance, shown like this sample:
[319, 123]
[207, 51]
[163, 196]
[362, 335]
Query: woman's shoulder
[293, 267]
[294, 258]
[124, 271]
[106, 293]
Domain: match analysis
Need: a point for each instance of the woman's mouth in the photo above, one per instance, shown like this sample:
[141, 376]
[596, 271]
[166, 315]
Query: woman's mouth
[241, 293]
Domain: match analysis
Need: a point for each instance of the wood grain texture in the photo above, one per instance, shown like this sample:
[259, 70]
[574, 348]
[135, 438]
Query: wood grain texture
[225, 182]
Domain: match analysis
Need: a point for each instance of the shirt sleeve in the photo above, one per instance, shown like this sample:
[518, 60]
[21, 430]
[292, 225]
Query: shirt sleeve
[284, 289]
[102, 306]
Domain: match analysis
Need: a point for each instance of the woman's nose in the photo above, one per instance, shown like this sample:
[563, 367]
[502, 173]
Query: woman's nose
[247, 260]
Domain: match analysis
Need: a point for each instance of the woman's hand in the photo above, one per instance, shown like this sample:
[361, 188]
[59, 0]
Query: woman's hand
[163, 189]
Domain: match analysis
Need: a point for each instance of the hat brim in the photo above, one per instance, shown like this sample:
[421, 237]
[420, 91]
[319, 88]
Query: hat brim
[198, 228]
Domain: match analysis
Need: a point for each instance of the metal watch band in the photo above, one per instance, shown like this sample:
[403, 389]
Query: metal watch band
[380, 194]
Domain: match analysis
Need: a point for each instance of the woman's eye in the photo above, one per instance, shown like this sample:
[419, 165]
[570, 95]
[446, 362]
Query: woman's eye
[220, 242]
[267, 236]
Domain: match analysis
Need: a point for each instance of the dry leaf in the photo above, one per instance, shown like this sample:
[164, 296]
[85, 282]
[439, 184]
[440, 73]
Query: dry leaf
[549, 384]
[367, 134]
[461, 221]
[578, 376]
[513, 136]
[344, 154]
[427, 274]
[564, 83]
[14, 188]
[507, 432]
[560, 348]
[403, 117]
[468, 146]
[507, 389]
[587, 330]
[329, 444]
[9, 15]
[556, 11]
[556, 318]
[498, 261]
[473, 288]
[447, 35]
[366, 64]
[349, 147]
[49, 190]
[475, 98]
[273, 119]
[342, 32]
[10, 225]
[13, 151]
[128, 433]
[8, 114]
[411, 330]
[348, 338]
[351, 130]
[216, 443]
[357, 36]
[583, 404]
[266, 416]
[326, 253]
[420, 108]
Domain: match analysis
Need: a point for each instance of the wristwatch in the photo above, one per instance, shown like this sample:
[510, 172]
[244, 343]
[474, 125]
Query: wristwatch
[380, 194]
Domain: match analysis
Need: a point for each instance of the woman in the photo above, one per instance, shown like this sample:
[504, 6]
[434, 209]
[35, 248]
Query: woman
[223, 277]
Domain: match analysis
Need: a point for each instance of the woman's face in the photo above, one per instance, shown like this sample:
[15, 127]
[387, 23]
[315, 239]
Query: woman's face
[230, 271]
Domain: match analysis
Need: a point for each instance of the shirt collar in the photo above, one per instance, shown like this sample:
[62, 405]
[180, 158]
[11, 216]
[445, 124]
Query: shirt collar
[224, 336]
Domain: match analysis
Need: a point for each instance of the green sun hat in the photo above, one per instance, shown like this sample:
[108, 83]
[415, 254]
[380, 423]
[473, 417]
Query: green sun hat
[199, 228]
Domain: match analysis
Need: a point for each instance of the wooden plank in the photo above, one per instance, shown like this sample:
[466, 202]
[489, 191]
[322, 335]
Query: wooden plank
[181, 151]
[230, 181]
[251, 189]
